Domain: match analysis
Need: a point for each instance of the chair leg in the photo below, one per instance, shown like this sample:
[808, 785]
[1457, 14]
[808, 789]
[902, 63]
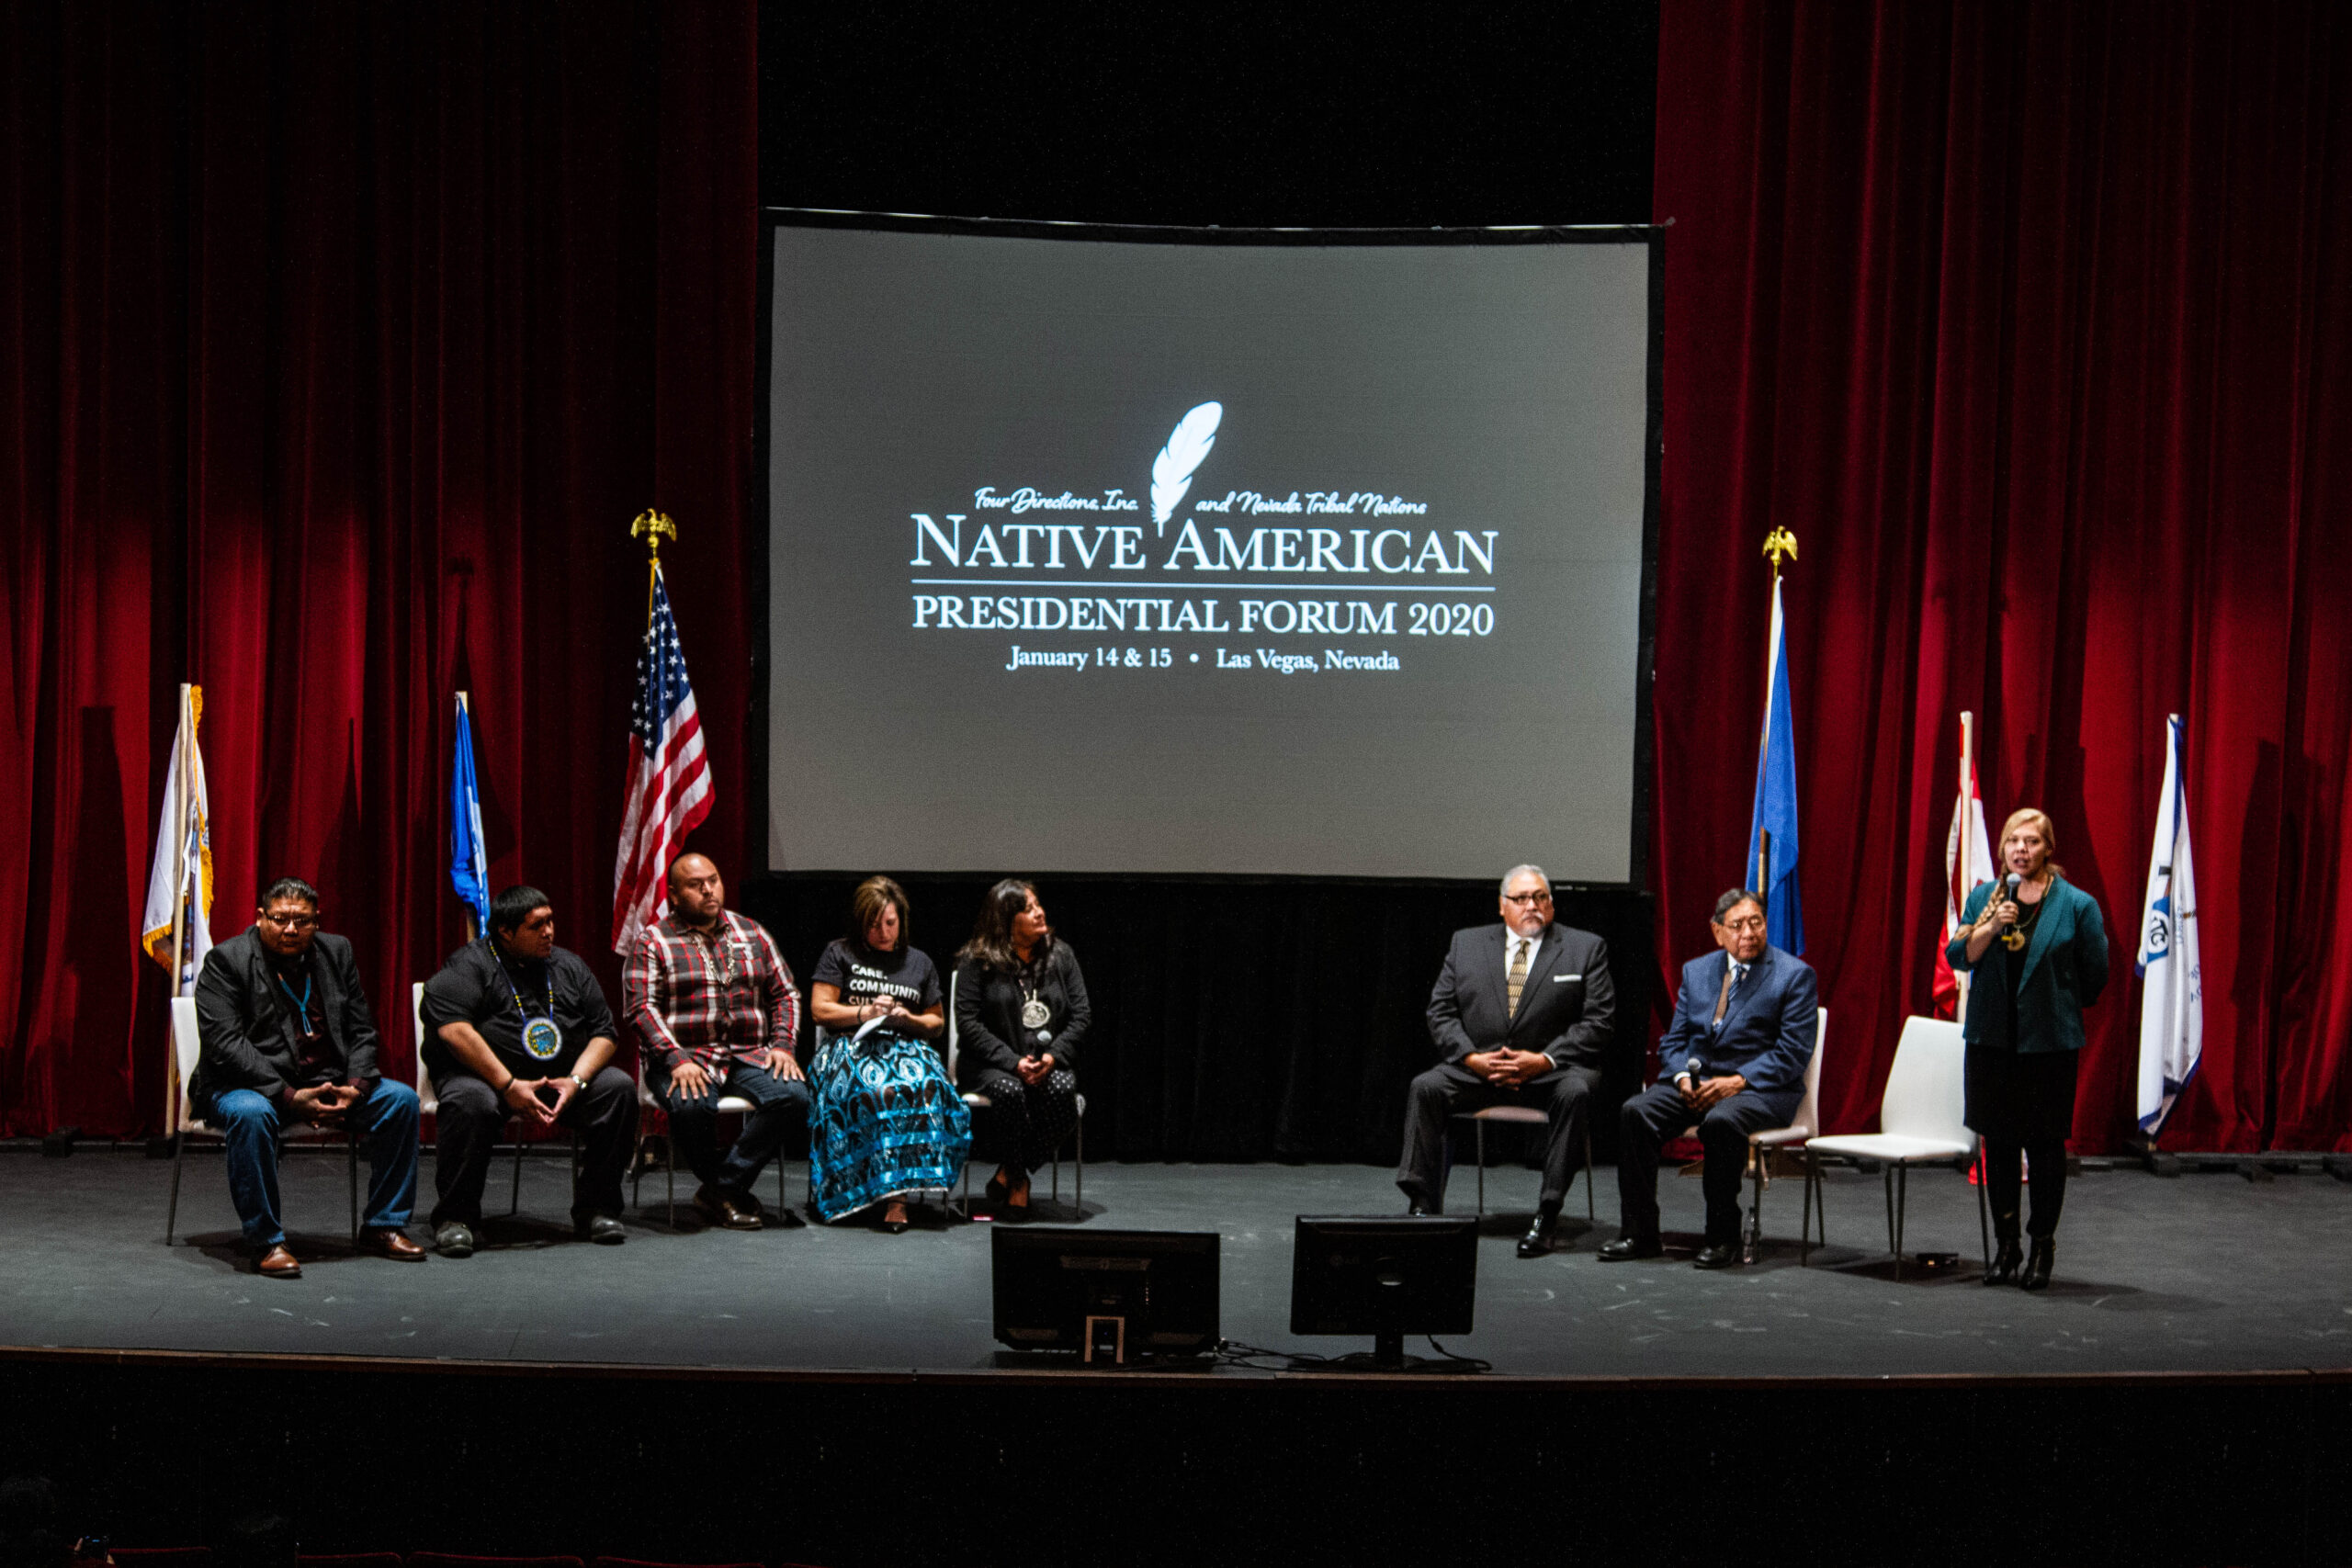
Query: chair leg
[1805, 1225]
[1481, 1126]
[1984, 1223]
[1751, 1241]
[670, 1162]
[1057, 1175]
[1591, 1216]
[354, 1139]
[1081, 1167]
[1902, 1210]
[171, 1215]
[514, 1199]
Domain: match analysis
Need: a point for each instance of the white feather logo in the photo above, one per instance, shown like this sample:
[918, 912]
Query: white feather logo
[1171, 471]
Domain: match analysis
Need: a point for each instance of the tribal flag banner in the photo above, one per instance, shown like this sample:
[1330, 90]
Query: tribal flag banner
[469, 854]
[1968, 861]
[669, 777]
[2172, 995]
[1772, 828]
[177, 926]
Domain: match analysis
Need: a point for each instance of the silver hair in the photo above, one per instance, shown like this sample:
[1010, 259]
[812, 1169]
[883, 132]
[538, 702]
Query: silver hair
[1515, 872]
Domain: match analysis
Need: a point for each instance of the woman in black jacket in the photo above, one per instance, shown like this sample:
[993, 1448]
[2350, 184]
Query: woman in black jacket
[1020, 1013]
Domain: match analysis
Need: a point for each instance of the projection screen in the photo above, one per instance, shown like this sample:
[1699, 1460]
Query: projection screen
[1095, 555]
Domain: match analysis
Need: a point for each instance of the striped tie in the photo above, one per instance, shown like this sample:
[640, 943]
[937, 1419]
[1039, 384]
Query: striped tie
[1518, 981]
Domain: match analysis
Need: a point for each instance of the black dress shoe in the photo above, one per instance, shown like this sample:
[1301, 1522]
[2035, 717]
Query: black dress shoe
[2003, 1268]
[602, 1229]
[453, 1239]
[1537, 1242]
[1625, 1248]
[2037, 1268]
[1717, 1255]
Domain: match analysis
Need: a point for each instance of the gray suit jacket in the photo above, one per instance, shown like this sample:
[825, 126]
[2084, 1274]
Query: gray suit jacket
[1567, 1009]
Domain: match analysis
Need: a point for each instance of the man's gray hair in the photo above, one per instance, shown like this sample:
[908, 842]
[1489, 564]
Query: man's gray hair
[1515, 872]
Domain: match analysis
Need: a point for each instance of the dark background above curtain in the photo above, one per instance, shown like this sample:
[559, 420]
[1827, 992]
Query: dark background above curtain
[341, 343]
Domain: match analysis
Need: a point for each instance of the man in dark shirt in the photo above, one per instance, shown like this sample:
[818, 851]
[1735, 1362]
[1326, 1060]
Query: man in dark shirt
[516, 1026]
[286, 1038]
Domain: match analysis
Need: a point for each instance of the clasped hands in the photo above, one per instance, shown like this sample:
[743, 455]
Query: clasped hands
[1033, 1069]
[1704, 1094]
[1507, 1069]
[322, 1106]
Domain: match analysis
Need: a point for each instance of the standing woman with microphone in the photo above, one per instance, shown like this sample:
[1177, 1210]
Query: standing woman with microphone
[2036, 947]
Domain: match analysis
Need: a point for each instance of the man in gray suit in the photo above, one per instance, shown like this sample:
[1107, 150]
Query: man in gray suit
[1521, 1015]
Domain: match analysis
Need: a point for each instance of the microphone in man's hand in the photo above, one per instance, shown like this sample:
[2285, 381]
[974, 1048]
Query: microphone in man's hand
[2009, 886]
[1697, 1070]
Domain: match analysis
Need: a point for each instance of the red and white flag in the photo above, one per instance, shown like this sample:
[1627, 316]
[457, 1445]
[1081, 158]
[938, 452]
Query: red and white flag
[669, 777]
[1968, 860]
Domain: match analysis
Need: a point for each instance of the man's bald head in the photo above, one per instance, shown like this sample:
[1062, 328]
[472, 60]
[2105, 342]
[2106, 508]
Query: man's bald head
[698, 897]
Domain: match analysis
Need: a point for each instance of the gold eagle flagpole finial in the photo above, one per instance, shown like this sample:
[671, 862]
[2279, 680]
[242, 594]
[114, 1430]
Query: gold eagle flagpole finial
[652, 528]
[1777, 543]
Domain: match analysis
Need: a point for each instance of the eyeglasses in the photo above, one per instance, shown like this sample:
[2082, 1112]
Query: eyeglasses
[1527, 900]
[1751, 923]
[292, 922]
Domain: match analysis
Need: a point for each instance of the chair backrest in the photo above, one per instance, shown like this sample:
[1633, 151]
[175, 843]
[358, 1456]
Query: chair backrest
[425, 1099]
[187, 1046]
[1809, 1109]
[1924, 1094]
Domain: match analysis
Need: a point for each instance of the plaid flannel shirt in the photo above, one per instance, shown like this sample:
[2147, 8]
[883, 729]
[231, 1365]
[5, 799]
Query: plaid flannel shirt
[689, 994]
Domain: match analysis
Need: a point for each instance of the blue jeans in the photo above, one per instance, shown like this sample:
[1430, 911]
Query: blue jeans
[693, 1124]
[385, 1121]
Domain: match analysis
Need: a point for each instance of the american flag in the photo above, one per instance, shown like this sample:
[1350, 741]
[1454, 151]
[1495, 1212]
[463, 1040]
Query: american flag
[669, 777]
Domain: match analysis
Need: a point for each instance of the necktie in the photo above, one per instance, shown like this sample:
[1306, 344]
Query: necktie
[1518, 978]
[1722, 1000]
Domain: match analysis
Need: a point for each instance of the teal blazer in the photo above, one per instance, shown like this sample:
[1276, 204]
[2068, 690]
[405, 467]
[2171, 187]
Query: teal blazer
[2066, 969]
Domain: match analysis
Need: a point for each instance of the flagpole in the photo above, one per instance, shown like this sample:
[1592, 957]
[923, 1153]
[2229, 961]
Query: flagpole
[1967, 844]
[180, 919]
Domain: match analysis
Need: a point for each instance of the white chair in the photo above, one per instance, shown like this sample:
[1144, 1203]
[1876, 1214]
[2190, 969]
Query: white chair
[1760, 1145]
[976, 1102]
[728, 1105]
[427, 1101]
[1920, 1120]
[1525, 1116]
[187, 1046]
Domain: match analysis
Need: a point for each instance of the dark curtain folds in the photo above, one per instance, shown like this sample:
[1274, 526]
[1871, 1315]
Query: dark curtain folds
[2033, 322]
[341, 345]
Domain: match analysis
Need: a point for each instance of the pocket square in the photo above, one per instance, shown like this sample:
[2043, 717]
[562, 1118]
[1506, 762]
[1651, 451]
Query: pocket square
[1557, 978]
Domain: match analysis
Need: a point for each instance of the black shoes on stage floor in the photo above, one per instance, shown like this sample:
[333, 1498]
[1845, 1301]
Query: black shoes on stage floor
[1717, 1255]
[1626, 1248]
[602, 1229]
[453, 1239]
[2004, 1270]
[2028, 1271]
[1537, 1242]
[2037, 1267]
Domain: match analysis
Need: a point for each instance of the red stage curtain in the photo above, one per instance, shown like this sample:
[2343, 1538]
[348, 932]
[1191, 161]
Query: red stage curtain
[2034, 323]
[340, 346]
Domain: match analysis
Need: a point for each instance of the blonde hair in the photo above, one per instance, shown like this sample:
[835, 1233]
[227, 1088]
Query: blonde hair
[2036, 816]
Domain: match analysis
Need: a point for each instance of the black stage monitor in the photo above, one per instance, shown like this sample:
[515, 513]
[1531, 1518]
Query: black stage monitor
[1386, 1277]
[1115, 1296]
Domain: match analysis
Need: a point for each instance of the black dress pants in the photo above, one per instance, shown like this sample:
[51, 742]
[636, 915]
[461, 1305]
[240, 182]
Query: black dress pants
[1563, 1095]
[1026, 1122]
[471, 1116]
[1657, 1115]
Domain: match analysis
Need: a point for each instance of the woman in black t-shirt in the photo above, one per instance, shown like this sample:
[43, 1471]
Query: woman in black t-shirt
[886, 1126]
[1021, 1014]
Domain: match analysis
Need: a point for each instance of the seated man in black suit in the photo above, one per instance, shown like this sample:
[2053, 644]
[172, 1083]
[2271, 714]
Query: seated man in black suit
[516, 1026]
[286, 1037]
[1523, 1014]
[1733, 1062]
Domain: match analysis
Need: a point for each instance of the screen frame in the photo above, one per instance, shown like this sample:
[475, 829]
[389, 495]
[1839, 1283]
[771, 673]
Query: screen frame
[759, 505]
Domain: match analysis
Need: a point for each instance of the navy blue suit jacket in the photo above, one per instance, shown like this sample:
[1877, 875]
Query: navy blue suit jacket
[1768, 1026]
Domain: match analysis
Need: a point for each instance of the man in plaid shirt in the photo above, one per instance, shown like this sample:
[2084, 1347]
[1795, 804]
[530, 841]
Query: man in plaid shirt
[715, 1013]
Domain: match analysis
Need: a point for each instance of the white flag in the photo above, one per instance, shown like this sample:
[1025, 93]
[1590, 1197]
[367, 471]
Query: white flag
[180, 882]
[2172, 998]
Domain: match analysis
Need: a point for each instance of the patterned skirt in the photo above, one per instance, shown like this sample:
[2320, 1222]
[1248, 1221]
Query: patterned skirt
[887, 1123]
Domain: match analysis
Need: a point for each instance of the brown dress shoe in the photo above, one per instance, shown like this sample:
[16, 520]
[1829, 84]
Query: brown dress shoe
[721, 1211]
[280, 1264]
[386, 1241]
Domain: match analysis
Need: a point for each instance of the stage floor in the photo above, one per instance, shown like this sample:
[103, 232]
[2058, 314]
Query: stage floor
[2205, 1272]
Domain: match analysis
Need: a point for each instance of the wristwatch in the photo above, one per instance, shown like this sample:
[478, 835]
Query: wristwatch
[575, 1077]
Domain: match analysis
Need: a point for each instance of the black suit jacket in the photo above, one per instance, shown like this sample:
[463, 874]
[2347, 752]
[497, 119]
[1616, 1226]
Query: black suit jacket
[248, 1031]
[1567, 1009]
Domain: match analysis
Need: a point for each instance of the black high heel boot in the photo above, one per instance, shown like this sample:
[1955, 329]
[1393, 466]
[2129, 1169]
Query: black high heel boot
[2037, 1268]
[2004, 1270]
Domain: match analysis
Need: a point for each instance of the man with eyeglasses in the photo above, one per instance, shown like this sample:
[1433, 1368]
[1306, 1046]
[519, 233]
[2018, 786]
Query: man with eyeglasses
[286, 1039]
[1521, 1015]
[1732, 1063]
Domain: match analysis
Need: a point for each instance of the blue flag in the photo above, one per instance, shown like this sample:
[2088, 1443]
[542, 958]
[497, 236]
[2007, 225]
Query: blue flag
[469, 859]
[1773, 830]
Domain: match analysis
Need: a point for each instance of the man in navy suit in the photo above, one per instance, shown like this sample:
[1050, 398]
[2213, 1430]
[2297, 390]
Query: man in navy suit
[1521, 1013]
[1733, 1062]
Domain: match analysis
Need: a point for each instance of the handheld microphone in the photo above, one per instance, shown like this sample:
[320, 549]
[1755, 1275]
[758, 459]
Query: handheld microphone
[2009, 886]
[1697, 1070]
